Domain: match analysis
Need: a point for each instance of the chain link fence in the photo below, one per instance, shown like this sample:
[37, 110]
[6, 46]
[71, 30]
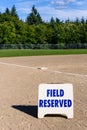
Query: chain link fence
[43, 46]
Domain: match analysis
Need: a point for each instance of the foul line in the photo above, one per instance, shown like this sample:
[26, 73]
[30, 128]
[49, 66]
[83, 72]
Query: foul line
[22, 66]
[53, 71]
[67, 73]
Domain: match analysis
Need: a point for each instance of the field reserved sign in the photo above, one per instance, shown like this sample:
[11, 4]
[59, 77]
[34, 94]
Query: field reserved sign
[55, 99]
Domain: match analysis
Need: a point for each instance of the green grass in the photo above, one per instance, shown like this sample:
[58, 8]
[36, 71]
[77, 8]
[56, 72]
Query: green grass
[16, 52]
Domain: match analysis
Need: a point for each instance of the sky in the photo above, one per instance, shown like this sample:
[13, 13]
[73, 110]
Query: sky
[62, 9]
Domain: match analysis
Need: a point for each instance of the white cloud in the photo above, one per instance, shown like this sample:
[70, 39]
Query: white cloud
[72, 14]
[62, 14]
[65, 3]
[80, 2]
[2, 8]
[24, 10]
[71, 0]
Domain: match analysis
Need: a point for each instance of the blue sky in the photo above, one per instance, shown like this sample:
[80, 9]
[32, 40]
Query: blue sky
[62, 9]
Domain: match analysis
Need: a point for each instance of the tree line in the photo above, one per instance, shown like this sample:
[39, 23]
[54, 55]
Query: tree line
[34, 33]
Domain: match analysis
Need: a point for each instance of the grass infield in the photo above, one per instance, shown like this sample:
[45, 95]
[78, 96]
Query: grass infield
[16, 52]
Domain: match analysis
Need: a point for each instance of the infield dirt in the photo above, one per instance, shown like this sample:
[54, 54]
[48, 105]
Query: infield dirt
[19, 81]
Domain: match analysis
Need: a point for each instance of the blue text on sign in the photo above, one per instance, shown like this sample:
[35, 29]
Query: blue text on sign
[55, 93]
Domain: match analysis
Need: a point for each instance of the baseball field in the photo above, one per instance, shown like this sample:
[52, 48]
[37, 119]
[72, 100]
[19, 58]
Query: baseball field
[19, 81]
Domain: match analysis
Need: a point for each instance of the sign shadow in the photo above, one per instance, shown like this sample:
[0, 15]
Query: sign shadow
[30, 109]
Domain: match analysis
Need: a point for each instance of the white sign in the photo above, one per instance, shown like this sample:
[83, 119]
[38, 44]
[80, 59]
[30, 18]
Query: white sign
[55, 99]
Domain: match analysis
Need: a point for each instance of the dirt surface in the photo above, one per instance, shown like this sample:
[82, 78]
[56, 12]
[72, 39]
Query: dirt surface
[19, 81]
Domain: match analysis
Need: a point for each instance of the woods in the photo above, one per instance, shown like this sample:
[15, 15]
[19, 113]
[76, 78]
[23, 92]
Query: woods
[34, 33]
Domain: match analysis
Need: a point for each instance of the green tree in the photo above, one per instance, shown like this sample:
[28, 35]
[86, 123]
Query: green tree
[14, 12]
[52, 21]
[31, 34]
[40, 31]
[7, 11]
[82, 20]
[83, 33]
[34, 17]
[7, 33]
[58, 21]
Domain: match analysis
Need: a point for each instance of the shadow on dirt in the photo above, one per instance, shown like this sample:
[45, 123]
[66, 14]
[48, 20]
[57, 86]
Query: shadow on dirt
[30, 109]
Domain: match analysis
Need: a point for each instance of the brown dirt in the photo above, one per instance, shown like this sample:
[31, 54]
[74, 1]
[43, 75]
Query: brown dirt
[19, 91]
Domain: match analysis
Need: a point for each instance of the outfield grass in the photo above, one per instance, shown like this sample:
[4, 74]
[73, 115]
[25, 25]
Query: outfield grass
[16, 52]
